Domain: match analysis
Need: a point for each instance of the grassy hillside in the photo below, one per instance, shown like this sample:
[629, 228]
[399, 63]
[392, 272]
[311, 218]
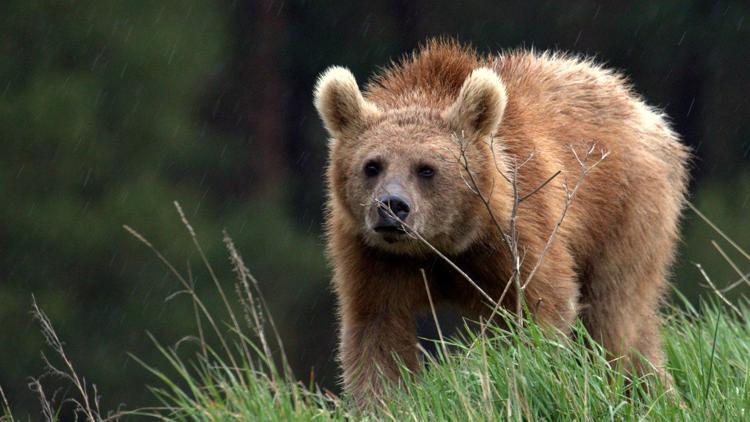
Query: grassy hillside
[486, 374]
[519, 375]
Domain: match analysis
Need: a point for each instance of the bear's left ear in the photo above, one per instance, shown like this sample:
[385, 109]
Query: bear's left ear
[340, 103]
[480, 104]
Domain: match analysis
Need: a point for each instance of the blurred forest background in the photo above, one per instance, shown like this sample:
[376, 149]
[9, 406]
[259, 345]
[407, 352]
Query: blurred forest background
[111, 110]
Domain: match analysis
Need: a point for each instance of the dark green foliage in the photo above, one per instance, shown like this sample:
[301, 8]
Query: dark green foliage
[99, 128]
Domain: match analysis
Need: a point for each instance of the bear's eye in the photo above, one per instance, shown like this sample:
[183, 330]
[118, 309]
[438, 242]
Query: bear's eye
[426, 172]
[372, 168]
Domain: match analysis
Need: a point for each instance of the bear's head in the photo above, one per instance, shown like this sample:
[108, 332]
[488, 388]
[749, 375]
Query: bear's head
[394, 172]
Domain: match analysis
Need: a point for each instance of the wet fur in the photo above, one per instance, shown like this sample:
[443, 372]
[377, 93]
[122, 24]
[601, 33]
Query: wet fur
[609, 262]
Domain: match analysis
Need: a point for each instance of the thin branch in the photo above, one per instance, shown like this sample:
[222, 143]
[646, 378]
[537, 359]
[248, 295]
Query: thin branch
[434, 314]
[463, 161]
[511, 239]
[719, 231]
[540, 187]
[516, 261]
[569, 197]
[731, 263]
[717, 291]
[494, 160]
[526, 161]
[410, 231]
[736, 283]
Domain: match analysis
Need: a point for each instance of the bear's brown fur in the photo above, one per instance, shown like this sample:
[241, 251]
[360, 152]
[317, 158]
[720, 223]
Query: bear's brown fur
[445, 130]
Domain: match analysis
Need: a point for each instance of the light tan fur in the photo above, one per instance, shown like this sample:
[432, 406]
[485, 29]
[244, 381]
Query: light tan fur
[610, 259]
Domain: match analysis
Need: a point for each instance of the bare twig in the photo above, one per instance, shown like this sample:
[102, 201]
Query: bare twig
[434, 313]
[463, 161]
[719, 231]
[411, 232]
[569, 197]
[513, 243]
[736, 283]
[716, 290]
[511, 239]
[510, 236]
[731, 263]
[540, 187]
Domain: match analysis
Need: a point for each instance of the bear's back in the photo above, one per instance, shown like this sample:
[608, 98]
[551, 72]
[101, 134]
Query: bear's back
[549, 94]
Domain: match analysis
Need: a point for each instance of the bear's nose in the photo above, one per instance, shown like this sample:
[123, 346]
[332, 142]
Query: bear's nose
[397, 206]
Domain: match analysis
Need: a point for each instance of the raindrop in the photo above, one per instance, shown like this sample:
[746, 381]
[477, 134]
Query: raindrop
[86, 179]
[690, 108]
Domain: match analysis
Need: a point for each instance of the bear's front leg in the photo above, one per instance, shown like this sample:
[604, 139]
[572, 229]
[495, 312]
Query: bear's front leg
[372, 347]
[378, 330]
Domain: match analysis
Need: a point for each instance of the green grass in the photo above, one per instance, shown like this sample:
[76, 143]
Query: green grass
[520, 373]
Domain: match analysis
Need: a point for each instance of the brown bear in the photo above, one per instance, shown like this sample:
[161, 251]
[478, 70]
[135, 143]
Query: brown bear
[540, 176]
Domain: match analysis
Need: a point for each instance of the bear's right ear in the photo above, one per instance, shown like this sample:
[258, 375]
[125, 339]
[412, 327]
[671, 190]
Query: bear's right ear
[340, 103]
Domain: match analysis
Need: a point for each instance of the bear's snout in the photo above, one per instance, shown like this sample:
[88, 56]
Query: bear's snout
[390, 206]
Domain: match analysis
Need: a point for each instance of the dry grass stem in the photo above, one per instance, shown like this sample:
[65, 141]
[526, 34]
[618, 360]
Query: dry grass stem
[214, 278]
[743, 277]
[198, 323]
[6, 416]
[736, 283]
[719, 231]
[716, 290]
[89, 410]
[254, 304]
[189, 288]
[411, 232]
[434, 313]
[36, 387]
